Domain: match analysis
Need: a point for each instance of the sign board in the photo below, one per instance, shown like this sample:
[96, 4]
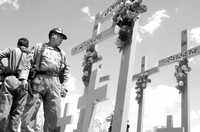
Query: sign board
[177, 57]
[98, 38]
[148, 72]
[104, 78]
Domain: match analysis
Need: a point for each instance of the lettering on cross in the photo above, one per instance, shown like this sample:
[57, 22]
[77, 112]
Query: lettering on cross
[177, 57]
[94, 40]
[88, 102]
[62, 122]
[109, 11]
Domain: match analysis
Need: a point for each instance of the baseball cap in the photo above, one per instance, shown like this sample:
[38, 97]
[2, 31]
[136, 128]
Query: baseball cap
[58, 31]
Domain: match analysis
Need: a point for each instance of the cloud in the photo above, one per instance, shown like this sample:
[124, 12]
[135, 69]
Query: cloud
[195, 129]
[195, 115]
[159, 105]
[13, 3]
[160, 101]
[86, 10]
[195, 35]
[195, 120]
[194, 61]
[153, 23]
[138, 38]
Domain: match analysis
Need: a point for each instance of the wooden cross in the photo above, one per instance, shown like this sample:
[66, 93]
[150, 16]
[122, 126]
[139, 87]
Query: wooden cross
[83, 111]
[140, 101]
[169, 127]
[65, 120]
[88, 101]
[86, 113]
[123, 92]
[184, 94]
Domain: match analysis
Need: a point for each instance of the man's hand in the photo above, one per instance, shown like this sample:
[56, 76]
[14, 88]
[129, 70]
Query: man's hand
[24, 84]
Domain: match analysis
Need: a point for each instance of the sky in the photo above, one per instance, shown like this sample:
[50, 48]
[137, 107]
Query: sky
[158, 36]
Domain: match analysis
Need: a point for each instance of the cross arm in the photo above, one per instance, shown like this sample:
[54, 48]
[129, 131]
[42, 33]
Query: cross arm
[98, 95]
[148, 72]
[100, 37]
[177, 57]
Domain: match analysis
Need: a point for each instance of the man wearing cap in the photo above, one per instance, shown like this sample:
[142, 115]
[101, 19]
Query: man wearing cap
[49, 83]
[13, 90]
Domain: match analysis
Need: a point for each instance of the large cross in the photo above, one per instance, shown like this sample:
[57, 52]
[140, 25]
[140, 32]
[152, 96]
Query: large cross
[185, 54]
[185, 112]
[140, 99]
[65, 120]
[84, 112]
[123, 93]
[88, 101]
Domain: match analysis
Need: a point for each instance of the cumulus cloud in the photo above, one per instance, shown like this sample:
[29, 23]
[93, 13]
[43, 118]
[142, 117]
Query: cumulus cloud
[13, 3]
[159, 105]
[153, 23]
[195, 120]
[195, 35]
[160, 101]
[195, 129]
[86, 10]
[195, 115]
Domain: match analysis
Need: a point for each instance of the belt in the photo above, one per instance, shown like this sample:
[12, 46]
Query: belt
[48, 73]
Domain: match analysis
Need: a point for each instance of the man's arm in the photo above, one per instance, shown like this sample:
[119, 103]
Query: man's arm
[64, 76]
[65, 73]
